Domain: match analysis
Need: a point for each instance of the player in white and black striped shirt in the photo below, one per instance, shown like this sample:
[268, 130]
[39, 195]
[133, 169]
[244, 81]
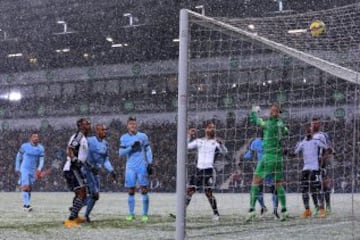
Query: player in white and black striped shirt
[325, 160]
[310, 176]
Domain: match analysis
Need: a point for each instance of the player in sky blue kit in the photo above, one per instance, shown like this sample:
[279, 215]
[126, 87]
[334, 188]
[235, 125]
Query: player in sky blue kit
[29, 162]
[136, 147]
[98, 156]
[256, 148]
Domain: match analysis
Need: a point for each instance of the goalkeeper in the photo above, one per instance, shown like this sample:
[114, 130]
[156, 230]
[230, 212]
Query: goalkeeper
[256, 148]
[98, 157]
[272, 163]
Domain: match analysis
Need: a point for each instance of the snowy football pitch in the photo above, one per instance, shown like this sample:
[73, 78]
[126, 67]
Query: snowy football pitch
[108, 219]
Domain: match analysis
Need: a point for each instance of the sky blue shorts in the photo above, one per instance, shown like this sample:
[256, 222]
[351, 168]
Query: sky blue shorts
[27, 177]
[136, 176]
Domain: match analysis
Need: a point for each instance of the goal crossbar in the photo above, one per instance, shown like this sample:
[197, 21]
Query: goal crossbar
[329, 67]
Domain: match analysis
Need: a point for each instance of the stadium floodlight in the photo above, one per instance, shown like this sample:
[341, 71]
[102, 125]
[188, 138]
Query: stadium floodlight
[201, 8]
[65, 25]
[280, 4]
[117, 45]
[14, 96]
[251, 26]
[130, 16]
[297, 31]
[64, 50]
[11, 55]
[109, 39]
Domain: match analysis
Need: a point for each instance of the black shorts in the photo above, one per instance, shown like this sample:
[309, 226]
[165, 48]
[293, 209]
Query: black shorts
[203, 178]
[310, 178]
[324, 173]
[74, 179]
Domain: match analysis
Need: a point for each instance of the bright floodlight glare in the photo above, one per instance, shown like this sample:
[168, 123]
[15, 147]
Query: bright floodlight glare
[251, 26]
[297, 31]
[60, 22]
[10, 55]
[14, 96]
[116, 45]
[109, 39]
[281, 5]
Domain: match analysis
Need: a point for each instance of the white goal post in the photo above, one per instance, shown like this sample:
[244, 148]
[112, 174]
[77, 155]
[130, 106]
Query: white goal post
[345, 78]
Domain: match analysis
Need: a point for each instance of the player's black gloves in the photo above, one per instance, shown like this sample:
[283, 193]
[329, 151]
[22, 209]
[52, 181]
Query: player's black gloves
[136, 146]
[75, 162]
[149, 169]
[113, 175]
[92, 168]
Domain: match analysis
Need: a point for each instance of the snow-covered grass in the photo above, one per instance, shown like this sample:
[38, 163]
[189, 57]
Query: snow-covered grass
[108, 219]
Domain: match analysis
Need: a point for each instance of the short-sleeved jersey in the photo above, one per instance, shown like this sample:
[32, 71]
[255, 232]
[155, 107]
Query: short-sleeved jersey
[206, 149]
[255, 147]
[31, 155]
[310, 149]
[135, 157]
[99, 153]
[78, 142]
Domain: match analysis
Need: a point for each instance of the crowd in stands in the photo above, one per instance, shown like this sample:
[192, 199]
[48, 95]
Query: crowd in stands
[231, 168]
[209, 97]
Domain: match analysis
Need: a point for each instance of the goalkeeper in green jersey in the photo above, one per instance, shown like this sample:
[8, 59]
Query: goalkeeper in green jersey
[272, 163]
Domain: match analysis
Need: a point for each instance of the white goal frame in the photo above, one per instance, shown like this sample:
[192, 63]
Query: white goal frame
[184, 37]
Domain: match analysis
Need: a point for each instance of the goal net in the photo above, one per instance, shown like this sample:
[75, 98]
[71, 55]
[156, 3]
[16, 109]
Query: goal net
[226, 66]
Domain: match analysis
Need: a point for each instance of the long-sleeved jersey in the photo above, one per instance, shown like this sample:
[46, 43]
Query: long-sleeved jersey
[30, 157]
[274, 130]
[99, 153]
[206, 149]
[139, 156]
[310, 151]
